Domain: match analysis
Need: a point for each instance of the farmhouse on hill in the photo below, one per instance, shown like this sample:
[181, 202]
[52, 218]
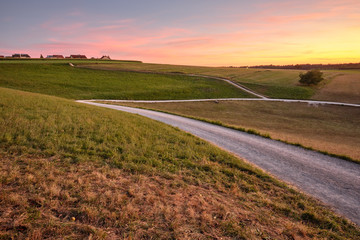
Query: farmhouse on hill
[105, 57]
[55, 56]
[21, 55]
[78, 56]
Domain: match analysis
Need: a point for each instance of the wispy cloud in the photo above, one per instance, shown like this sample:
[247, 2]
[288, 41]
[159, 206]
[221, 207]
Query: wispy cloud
[270, 32]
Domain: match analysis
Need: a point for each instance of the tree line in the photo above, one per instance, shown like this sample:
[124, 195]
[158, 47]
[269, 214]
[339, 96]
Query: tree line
[341, 66]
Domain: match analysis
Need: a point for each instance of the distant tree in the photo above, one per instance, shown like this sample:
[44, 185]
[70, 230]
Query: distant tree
[41, 56]
[312, 77]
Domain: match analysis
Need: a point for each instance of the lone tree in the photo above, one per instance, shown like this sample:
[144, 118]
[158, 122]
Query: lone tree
[312, 77]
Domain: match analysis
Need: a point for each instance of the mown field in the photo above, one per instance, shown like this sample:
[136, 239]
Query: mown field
[332, 129]
[59, 79]
[273, 83]
[69, 170]
[343, 88]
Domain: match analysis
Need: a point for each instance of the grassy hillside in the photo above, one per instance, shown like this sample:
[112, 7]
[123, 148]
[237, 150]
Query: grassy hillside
[272, 83]
[73, 171]
[59, 79]
[333, 129]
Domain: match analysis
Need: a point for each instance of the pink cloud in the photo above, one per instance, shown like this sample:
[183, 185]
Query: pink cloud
[300, 11]
[265, 34]
[300, 17]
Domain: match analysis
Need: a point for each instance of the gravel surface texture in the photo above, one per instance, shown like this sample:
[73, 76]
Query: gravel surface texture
[334, 181]
[310, 102]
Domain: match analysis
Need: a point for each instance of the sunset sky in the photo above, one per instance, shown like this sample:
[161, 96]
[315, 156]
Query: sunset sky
[190, 32]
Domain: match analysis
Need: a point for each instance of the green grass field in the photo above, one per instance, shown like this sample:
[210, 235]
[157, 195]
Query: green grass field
[59, 79]
[332, 129]
[70, 170]
[271, 83]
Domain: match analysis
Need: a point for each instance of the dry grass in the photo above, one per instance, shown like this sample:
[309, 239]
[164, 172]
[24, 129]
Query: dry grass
[72, 171]
[343, 88]
[52, 198]
[333, 129]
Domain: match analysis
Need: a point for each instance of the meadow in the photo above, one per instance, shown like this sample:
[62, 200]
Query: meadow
[70, 170]
[274, 83]
[331, 129]
[60, 79]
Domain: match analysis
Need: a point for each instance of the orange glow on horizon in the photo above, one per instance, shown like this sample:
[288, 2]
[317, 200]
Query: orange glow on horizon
[272, 32]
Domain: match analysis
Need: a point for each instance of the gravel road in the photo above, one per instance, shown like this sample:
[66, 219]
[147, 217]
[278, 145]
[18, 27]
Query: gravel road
[311, 102]
[237, 85]
[334, 181]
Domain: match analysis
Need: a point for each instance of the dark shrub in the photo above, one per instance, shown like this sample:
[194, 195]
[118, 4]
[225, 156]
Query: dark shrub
[312, 77]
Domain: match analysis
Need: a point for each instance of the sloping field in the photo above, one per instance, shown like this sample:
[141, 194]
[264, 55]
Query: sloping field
[332, 129]
[273, 83]
[60, 79]
[343, 88]
[74, 171]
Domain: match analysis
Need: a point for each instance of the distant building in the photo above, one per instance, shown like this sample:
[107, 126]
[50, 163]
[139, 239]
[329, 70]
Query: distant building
[1, 56]
[78, 56]
[55, 56]
[105, 57]
[21, 55]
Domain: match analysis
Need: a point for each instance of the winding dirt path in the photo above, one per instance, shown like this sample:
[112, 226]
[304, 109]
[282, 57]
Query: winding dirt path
[334, 181]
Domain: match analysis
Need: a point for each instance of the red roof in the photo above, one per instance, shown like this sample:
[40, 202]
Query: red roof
[78, 56]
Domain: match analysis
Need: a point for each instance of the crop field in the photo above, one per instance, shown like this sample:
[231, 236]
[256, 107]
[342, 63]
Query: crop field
[332, 129]
[273, 83]
[343, 88]
[60, 79]
[70, 170]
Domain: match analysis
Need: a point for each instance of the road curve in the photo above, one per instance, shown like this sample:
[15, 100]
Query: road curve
[237, 85]
[333, 181]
